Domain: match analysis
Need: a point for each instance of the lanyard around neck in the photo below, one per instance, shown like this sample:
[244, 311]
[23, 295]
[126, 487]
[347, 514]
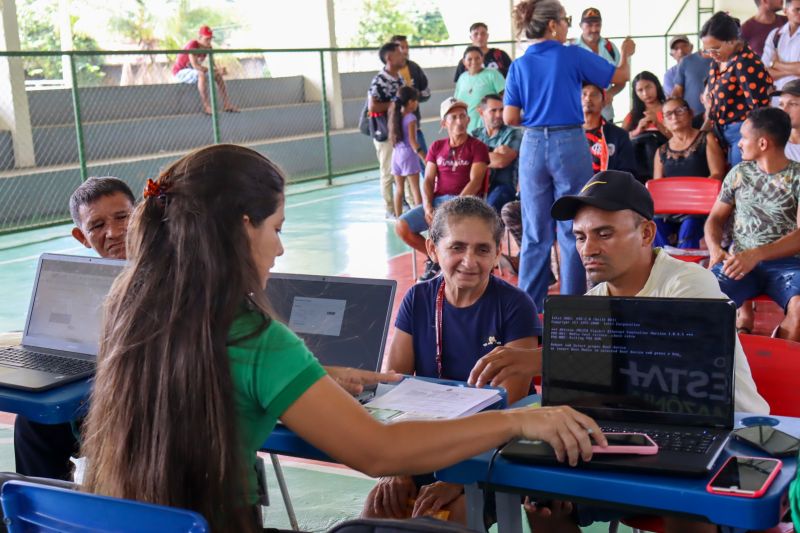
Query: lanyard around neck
[438, 322]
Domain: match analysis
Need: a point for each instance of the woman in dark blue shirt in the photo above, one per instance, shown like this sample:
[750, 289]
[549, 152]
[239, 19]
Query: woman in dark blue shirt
[445, 325]
[543, 94]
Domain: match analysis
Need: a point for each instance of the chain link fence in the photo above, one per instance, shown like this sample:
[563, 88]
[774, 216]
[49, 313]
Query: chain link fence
[125, 114]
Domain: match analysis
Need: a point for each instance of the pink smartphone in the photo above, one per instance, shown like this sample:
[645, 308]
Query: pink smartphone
[749, 477]
[632, 443]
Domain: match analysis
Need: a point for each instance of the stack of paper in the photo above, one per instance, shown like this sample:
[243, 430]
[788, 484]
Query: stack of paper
[415, 399]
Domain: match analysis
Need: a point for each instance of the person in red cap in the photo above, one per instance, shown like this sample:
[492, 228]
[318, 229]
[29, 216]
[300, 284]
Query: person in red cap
[189, 67]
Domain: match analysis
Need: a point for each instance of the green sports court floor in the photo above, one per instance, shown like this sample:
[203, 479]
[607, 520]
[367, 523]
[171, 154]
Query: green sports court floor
[335, 230]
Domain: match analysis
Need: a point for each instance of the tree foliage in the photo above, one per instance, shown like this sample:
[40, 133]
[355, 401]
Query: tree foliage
[136, 25]
[183, 26]
[384, 18]
[38, 32]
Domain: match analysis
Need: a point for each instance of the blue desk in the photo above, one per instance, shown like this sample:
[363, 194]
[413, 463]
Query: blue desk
[639, 493]
[53, 406]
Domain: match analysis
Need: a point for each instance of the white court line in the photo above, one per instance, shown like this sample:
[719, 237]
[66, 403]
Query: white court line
[318, 200]
[30, 257]
[339, 471]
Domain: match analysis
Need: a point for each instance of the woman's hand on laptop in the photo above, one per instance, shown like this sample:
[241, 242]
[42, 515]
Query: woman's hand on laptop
[504, 362]
[569, 432]
[353, 380]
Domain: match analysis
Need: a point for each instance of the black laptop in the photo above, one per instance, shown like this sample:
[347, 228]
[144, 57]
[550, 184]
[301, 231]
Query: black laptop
[343, 321]
[660, 366]
[62, 330]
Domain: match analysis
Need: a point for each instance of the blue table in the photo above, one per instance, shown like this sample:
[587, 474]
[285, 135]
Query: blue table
[638, 493]
[284, 441]
[54, 406]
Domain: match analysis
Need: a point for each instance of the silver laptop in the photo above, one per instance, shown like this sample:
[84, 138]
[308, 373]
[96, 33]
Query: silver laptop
[343, 321]
[62, 330]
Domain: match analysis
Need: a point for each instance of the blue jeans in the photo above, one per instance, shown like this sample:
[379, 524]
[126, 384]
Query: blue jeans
[552, 163]
[415, 217]
[779, 279]
[689, 232]
[732, 134]
[421, 142]
[500, 195]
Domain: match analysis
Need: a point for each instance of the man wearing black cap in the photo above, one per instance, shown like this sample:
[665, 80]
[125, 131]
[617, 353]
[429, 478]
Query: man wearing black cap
[612, 219]
[590, 39]
[614, 231]
[679, 48]
[789, 101]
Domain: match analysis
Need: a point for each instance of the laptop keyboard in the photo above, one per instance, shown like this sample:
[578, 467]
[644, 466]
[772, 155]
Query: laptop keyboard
[53, 364]
[676, 441]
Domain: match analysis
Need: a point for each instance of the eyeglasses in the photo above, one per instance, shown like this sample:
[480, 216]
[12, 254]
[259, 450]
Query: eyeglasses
[714, 49]
[567, 19]
[677, 112]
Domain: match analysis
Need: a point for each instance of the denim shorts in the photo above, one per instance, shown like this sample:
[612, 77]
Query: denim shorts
[187, 75]
[415, 218]
[779, 279]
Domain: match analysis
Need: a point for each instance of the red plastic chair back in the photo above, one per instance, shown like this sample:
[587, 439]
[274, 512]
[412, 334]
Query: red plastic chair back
[684, 196]
[775, 365]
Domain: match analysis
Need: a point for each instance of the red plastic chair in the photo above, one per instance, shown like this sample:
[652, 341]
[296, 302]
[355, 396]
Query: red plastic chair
[775, 365]
[684, 196]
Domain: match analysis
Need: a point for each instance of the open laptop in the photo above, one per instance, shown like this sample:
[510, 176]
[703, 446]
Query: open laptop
[660, 366]
[62, 331]
[343, 321]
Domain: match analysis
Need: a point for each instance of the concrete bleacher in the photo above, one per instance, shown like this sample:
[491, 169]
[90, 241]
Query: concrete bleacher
[122, 122]
[133, 132]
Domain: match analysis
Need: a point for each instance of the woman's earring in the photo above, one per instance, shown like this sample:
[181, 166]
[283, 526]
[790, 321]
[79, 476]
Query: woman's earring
[555, 34]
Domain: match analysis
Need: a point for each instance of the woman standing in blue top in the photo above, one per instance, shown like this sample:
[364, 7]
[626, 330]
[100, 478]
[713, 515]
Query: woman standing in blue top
[445, 325]
[543, 94]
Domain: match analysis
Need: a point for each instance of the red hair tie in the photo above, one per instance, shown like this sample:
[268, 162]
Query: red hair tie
[153, 189]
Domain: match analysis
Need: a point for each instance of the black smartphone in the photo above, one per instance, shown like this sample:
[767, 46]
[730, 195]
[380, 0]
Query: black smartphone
[768, 439]
[749, 477]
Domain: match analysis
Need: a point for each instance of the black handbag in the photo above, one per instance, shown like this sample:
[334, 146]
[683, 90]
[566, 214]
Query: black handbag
[363, 120]
[376, 127]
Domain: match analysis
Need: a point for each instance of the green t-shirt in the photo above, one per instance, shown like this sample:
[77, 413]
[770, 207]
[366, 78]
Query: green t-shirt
[471, 88]
[269, 372]
[764, 205]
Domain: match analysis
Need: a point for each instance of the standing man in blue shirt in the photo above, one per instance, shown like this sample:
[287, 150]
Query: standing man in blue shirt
[590, 39]
[503, 142]
[679, 48]
[690, 82]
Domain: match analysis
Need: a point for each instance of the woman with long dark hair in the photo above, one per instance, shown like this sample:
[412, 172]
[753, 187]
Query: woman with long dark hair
[738, 81]
[647, 98]
[645, 122]
[543, 94]
[193, 371]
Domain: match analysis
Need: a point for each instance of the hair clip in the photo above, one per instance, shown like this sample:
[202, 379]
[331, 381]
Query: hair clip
[153, 189]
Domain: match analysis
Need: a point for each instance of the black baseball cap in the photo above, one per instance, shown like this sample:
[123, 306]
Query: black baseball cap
[591, 14]
[793, 88]
[610, 190]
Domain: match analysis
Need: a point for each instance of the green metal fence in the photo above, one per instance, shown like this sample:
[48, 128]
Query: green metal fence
[123, 113]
